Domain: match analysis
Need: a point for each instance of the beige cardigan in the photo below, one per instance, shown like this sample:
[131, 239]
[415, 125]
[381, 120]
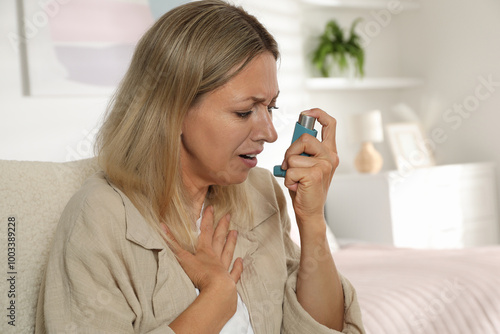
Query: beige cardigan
[108, 271]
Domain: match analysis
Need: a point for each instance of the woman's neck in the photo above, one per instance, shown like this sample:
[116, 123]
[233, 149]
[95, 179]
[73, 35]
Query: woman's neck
[196, 194]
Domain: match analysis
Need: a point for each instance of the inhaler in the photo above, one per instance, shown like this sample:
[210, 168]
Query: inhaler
[304, 125]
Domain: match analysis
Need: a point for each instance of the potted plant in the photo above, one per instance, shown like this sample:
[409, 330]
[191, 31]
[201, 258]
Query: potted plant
[338, 52]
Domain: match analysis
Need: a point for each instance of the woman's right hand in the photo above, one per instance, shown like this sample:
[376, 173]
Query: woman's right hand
[208, 267]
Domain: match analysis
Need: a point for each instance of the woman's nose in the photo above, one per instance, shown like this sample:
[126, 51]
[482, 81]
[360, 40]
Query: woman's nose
[264, 127]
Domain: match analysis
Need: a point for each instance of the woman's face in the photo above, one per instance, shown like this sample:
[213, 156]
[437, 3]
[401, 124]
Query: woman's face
[227, 128]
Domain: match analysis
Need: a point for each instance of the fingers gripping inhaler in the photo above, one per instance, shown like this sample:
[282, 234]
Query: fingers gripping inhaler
[304, 125]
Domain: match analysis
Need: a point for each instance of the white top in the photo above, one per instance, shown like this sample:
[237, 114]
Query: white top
[240, 322]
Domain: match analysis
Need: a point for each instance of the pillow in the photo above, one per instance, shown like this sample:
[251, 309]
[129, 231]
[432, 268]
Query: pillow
[33, 195]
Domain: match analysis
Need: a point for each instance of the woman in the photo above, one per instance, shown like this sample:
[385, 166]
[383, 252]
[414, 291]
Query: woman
[180, 233]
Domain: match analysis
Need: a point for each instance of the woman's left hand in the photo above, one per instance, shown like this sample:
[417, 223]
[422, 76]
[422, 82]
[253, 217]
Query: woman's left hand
[309, 178]
[318, 288]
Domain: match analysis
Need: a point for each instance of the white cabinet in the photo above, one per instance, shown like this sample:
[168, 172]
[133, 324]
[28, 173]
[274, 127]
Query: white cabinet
[450, 206]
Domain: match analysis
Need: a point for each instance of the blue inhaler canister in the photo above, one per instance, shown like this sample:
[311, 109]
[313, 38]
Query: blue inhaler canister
[304, 125]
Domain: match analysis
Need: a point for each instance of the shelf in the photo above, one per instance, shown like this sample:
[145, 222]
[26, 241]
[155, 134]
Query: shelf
[362, 84]
[362, 4]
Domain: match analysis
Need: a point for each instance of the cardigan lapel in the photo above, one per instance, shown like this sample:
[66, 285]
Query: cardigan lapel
[174, 291]
[139, 230]
[251, 286]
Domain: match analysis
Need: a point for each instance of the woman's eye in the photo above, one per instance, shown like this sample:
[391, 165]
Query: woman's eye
[271, 108]
[248, 113]
[244, 114]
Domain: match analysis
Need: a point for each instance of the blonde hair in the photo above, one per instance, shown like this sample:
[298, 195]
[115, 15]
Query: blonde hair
[190, 51]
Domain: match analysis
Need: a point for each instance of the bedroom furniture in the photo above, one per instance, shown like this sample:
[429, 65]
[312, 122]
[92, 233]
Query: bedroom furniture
[450, 206]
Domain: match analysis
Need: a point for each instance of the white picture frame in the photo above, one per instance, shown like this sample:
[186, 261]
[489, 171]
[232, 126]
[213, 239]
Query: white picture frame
[408, 146]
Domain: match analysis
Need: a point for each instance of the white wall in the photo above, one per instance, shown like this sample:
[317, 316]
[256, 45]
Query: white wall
[455, 46]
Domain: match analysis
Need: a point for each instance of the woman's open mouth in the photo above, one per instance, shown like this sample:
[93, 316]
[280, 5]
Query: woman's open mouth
[248, 156]
[249, 160]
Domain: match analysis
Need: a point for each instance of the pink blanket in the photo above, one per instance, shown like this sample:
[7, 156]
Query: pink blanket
[406, 291]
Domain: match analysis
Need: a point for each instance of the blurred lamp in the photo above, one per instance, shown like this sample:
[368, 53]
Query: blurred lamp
[367, 129]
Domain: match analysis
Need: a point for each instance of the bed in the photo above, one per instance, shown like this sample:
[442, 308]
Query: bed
[407, 291]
